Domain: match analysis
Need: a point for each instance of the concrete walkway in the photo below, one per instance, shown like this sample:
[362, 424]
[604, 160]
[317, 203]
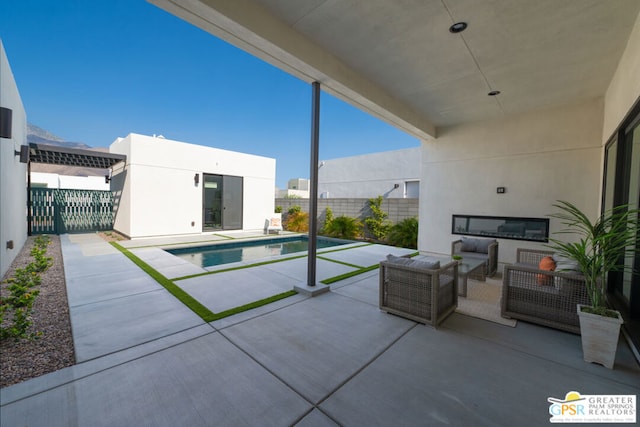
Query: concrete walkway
[113, 304]
[146, 359]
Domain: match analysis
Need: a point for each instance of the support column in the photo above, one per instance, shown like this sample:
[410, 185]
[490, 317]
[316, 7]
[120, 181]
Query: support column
[29, 216]
[311, 288]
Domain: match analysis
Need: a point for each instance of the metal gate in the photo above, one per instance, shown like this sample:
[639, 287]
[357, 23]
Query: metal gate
[56, 211]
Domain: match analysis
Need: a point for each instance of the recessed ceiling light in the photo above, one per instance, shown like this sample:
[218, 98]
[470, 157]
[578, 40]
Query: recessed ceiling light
[458, 27]
[494, 93]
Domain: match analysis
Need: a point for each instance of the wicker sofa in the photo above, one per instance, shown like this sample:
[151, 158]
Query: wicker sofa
[409, 288]
[544, 297]
[484, 249]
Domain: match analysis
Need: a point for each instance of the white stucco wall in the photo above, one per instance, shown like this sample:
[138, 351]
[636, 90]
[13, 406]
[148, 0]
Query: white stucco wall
[369, 175]
[300, 184]
[624, 89]
[301, 194]
[156, 194]
[13, 174]
[540, 157]
[54, 180]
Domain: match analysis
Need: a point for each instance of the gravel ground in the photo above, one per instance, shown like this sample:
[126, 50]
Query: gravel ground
[53, 349]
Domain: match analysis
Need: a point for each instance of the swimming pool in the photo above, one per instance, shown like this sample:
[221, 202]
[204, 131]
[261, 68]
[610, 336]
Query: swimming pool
[225, 253]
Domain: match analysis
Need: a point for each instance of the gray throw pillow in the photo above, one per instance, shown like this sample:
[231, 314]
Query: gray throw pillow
[482, 245]
[468, 244]
[426, 264]
[565, 264]
[399, 260]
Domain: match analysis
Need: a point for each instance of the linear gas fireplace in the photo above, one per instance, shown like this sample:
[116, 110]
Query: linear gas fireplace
[504, 227]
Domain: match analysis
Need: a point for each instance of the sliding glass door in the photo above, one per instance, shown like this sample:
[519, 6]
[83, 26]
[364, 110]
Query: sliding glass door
[212, 203]
[232, 202]
[222, 202]
[631, 196]
[622, 187]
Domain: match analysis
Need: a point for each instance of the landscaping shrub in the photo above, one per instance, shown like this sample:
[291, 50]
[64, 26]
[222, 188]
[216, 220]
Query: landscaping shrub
[404, 234]
[294, 210]
[344, 227]
[41, 261]
[377, 224]
[16, 308]
[328, 219]
[298, 222]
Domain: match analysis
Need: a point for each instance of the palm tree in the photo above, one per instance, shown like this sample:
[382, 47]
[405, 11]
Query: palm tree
[601, 247]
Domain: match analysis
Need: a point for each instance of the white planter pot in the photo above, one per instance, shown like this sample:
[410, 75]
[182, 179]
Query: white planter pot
[599, 337]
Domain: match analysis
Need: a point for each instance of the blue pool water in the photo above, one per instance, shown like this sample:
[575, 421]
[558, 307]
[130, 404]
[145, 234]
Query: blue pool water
[225, 253]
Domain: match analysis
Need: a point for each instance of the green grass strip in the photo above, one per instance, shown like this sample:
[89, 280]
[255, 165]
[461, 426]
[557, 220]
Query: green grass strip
[346, 249]
[273, 261]
[258, 264]
[360, 270]
[202, 311]
[331, 280]
[340, 262]
[253, 305]
[239, 267]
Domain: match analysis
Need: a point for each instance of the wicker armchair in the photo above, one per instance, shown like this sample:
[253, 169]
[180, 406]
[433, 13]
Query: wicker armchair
[491, 257]
[424, 295]
[548, 298]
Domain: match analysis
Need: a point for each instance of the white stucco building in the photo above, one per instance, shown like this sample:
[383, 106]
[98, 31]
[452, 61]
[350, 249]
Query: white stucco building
[169, 187]
[297, 188]
[391, 174]
[13, 174]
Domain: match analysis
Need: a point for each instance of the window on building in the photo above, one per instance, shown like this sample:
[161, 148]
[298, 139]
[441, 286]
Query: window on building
[411, 189]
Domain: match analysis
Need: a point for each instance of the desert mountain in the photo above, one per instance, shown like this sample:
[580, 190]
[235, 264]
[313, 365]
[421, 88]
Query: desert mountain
[38, 135]
[41, 136]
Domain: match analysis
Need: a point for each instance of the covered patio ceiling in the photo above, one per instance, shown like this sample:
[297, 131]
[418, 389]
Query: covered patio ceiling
[399, 61]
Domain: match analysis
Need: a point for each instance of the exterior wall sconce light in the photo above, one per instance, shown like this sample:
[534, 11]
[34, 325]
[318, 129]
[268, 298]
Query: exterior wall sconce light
[107, 179]
[196, 179]
[396, 186]
[23, 153]
[5, 122]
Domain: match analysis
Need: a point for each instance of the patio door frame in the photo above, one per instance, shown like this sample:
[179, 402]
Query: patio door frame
[226, 210]
[624, 288]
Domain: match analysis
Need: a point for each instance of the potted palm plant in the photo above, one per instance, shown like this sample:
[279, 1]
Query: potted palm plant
[601, 247]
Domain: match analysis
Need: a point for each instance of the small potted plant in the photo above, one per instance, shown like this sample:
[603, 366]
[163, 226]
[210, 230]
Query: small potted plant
[601, 247]
[457, 258]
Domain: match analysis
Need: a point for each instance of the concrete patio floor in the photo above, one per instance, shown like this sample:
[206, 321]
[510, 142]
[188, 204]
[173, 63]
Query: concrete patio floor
[146, 359]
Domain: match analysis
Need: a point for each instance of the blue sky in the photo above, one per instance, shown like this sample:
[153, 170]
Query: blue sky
[93, 70]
